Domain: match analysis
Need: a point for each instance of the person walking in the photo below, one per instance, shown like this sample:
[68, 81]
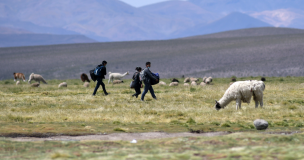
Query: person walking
[148, 77]
[100, 73]
[137, 84]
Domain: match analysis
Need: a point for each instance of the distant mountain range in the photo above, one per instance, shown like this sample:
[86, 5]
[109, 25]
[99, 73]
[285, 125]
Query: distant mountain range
[233, 21]
[30, 39]
[113, 20]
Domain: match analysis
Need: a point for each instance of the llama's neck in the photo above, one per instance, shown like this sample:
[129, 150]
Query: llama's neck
[124, 74]
[224, 101]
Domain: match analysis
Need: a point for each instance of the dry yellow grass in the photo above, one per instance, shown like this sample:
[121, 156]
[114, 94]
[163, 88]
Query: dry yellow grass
[283, 100]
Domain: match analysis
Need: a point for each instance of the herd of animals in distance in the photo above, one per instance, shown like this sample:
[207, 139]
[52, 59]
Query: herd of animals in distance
[239, 91]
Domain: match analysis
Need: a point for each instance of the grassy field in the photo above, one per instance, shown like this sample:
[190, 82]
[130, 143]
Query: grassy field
[49, 110]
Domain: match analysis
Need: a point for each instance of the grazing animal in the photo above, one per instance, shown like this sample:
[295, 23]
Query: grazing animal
[187, 80]
[84, 77]
[35, 85]
[86, 84]
[242, 91]
[18, 82]
[194, 79]
[175, 80]
[173, 84]
[161, 83]
[263, 79]
[193, 83]
[63, 84]
[37, 78]
[19, 76]
[233, 79]
[118, 81]
[208, 80]
[203, 84]
[116, 76]
[204, 79]
[186, 84]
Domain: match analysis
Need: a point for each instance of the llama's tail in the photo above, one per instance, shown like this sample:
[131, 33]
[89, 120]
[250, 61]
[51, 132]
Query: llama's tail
[43, 80]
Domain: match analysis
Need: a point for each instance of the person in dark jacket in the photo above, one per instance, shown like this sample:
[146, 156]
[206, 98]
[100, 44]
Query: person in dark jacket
[101, 77]
[136, 81]
[147, 81]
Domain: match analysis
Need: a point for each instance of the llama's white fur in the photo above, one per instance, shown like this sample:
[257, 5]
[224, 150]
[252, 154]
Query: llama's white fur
[37, 78]
[173, 84]
[86, 84]
[194, 79]
[193, 83]
[242, 91]
[18, 82]
[208, 80]
[116, 76]
[203, 84]
[161, 83]
[187, 80]
[63, 84]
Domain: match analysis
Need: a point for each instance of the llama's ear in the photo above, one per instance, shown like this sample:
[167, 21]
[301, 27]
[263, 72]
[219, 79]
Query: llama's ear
[215, 101]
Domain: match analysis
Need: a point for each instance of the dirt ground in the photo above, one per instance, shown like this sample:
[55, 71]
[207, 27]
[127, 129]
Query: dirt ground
[119, 136]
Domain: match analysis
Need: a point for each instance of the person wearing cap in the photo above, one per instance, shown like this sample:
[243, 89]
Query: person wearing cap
[137, 84]
[99, 78]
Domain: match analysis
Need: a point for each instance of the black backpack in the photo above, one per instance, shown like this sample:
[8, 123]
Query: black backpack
[93, 76]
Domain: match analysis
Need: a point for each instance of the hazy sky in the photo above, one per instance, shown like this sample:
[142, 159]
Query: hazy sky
[139, 3]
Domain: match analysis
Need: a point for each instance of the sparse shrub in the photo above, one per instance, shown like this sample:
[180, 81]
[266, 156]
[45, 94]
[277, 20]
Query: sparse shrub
[191, 121]
[176, 122]
[18, 118]
[299, 125]
[117, 122]
[292, 107]
[225, 125]
[119, 130]
[281, 79]
[251, 126]
[148, 112]
[192, 89]
[283, 123]
[180, 114]
[149, 123]
[215, 123]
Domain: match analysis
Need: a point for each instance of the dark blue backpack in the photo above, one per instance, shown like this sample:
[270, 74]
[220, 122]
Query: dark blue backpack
[97, 71]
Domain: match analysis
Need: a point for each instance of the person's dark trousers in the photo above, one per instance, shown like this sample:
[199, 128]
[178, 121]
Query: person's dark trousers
[148, 87]
[99, 82]
[137, 90]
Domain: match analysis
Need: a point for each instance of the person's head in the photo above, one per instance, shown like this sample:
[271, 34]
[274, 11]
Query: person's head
[138, 69]
[104, 63]
[148, 64]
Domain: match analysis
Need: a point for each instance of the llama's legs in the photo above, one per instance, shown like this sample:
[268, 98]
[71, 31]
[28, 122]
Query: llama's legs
[256, 103]
[261, 102]
[238, 104]
[109, 80]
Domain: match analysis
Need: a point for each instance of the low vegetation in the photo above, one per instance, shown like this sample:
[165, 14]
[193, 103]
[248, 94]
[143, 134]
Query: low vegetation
[49, 110]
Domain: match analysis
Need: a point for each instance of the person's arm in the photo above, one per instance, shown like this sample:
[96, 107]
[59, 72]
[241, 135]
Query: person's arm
[104, 70]
[149, 74]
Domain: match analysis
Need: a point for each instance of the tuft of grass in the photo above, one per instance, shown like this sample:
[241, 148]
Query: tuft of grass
[191, 121]
[226, 125]
[119, 130]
